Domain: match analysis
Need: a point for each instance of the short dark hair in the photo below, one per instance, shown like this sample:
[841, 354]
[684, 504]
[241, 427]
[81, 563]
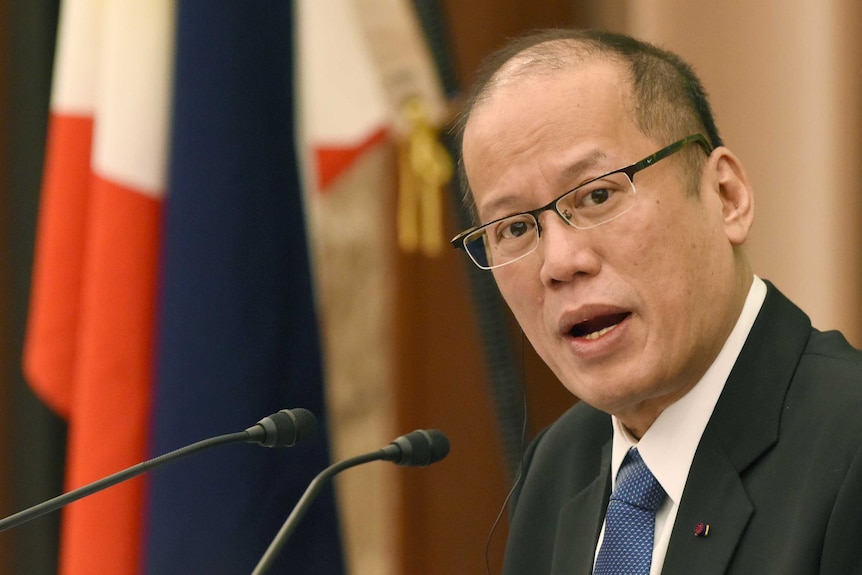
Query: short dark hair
[669, 99]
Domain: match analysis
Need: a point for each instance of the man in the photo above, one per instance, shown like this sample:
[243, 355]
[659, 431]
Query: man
[613, 220]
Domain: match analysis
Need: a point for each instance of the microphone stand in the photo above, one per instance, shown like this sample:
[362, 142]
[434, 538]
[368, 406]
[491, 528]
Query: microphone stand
[304, 503]
[282, 429]
[120, 476]
[415, 449]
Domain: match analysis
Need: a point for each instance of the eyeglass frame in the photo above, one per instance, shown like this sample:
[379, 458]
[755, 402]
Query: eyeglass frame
[459, 241]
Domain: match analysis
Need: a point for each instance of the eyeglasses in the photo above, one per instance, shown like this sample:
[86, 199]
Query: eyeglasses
[591, 204]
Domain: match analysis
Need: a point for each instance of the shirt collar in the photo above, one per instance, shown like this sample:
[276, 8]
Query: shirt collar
[669, 445]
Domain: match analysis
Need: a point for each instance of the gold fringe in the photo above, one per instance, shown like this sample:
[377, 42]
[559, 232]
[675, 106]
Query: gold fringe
[424, 167]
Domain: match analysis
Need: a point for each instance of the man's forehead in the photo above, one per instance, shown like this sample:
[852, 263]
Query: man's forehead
[523, 71]
[551, 58]
[599, 81]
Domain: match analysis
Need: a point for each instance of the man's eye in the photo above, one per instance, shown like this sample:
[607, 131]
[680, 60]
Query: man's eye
[600, 193]
[596, 197]
[513, 229]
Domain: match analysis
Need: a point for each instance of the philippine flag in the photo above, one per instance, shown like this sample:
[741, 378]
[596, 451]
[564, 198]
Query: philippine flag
[172, 297]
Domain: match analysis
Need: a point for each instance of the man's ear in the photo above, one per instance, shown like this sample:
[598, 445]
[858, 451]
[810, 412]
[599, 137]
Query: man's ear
[734, 193]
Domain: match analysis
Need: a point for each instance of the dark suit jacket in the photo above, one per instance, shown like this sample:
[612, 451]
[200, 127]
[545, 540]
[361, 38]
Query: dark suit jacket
[777, 474]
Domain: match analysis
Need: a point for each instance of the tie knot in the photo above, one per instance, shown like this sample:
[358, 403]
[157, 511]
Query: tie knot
[636, 485]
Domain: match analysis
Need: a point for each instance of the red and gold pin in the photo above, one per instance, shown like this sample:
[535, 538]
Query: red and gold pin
[701, 530]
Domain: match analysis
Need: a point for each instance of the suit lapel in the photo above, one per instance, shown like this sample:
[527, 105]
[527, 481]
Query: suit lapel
[580, 522]
[714, 495]
[743, 426]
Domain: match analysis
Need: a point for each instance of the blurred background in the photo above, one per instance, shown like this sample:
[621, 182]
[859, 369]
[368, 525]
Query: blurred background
[267, 226]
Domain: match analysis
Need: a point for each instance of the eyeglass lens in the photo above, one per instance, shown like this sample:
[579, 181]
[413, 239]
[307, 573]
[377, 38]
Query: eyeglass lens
[587, 206]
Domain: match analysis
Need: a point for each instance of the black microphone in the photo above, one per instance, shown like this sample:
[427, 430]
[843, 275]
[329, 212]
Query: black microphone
[416, 449]
[283, 429]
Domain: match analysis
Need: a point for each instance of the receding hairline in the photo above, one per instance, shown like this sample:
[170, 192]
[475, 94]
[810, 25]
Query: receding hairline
[654, 76]
[543, 53]
[545, 59]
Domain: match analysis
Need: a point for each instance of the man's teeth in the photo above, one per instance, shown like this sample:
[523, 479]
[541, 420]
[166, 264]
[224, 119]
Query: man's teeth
[601, 332]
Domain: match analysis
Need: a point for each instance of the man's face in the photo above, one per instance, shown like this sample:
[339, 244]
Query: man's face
[628, 314]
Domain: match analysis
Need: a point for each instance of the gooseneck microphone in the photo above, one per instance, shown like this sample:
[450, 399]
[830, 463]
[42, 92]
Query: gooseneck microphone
[283, 429]
[416, 449]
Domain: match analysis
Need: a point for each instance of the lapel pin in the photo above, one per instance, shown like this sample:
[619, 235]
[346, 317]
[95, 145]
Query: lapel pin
[701, 530]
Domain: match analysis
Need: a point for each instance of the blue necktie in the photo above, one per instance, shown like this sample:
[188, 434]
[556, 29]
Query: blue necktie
[630, 521]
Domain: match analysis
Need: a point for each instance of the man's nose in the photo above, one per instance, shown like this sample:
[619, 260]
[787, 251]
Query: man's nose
[566, 252]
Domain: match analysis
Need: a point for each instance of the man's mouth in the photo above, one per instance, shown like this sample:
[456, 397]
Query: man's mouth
[596, 327]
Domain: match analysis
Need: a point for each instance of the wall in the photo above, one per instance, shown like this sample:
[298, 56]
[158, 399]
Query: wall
[785, 83]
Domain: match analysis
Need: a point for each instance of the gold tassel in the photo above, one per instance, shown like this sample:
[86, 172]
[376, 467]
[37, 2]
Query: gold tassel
[424, 167]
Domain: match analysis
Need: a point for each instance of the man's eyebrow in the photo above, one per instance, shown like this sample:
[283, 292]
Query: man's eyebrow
[505, 205]
[500, 207]
[585, 163]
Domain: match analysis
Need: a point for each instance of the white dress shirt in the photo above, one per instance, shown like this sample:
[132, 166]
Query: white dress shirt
[669, 445]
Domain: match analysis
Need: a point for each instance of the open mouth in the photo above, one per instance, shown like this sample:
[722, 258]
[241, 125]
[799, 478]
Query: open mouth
[596, 327]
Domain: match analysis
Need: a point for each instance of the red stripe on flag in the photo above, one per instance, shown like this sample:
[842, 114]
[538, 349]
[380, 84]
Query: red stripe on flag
[332, 161]
[106, 386]
[49, 358]
[111, 406]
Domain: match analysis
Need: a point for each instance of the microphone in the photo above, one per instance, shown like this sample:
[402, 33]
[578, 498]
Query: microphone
[283, 429]
[416, 449]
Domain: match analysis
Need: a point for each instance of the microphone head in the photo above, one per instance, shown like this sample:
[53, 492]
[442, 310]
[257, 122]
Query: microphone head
[418, 448]
[283, 429]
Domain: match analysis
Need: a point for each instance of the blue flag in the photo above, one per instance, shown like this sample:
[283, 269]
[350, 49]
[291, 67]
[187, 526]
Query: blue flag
[237, 331]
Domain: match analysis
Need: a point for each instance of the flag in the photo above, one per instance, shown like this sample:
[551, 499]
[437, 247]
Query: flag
[237, 327]
[343, 107]
[171, 297]
[344, 116]
[89, 341]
